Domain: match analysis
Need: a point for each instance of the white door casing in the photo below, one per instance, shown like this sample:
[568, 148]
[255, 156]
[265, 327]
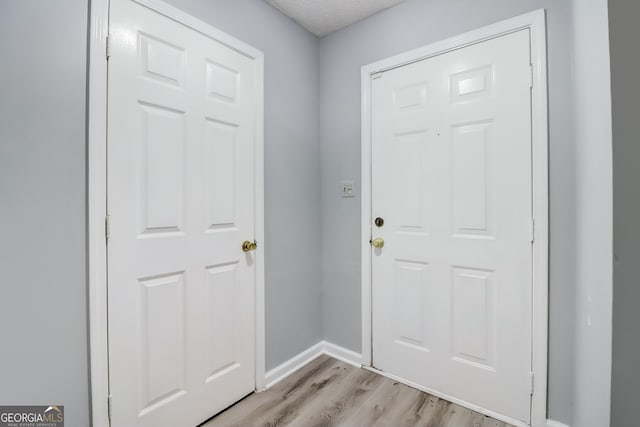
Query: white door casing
[452, 178]
[182, 197]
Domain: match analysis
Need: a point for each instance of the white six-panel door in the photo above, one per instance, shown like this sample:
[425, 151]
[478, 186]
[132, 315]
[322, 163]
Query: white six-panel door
[181, 203]
[452, 179]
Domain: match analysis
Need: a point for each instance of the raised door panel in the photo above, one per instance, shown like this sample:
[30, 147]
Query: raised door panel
[162, 340]
[162, 169]
[471, 170]
[222, 82]
[221, 168]
[222, 319]
[412, 299]
[161, 61]
[408, 172]
[473, 312]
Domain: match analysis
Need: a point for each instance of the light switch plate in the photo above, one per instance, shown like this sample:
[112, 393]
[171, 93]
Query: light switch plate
[347, 189]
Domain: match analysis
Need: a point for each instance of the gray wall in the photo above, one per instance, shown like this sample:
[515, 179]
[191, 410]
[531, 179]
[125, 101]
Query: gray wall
[43, 318]
[625, 69]
[592, 87]
[410, 25]
[292, 170]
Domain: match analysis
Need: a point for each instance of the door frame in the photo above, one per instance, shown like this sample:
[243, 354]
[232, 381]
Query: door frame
[536, 22]
[96, 135]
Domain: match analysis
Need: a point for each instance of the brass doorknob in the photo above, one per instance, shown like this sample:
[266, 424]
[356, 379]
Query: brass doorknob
[377, 243]
[249, 246]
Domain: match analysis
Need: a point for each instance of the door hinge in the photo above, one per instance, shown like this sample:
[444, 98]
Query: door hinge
[108, 47]
[107, 226]
[533, 230]
[109, 407]
[376, 75]
[532, 383]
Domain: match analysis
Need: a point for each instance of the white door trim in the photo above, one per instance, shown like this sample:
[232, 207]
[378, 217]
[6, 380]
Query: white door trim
[97, 194]
[536, 23]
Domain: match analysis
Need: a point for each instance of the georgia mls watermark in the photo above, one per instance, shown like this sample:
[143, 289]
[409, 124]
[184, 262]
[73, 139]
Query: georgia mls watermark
[32, 416]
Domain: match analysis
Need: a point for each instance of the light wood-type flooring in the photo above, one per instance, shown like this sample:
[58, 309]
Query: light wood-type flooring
[328, 392]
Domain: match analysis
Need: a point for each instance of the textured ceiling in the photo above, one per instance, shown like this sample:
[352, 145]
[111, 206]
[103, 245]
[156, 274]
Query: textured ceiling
[323, 17]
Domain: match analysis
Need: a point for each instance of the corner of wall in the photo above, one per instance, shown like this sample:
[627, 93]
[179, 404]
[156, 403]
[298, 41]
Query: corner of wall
[594, 187]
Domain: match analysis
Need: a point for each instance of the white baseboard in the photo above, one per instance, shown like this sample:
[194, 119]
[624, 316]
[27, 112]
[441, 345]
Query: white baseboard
[341, 353]
[552, 423]
[287, 368]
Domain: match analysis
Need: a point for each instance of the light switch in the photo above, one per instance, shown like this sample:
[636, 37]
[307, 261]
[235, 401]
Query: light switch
[347, 189]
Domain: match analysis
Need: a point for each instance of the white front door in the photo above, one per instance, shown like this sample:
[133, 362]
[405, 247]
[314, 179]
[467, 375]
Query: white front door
[451, 152]
[181, 203]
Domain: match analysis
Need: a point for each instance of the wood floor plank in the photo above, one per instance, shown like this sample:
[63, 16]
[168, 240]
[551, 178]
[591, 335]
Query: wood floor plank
[490, 422]
[334, 410]
[289, 399]
[399, 414]
[456, 416]
[296, 408]
[373, 412]
[306, 414]
[328, 392]
[427, 411]
[476, 420]
[258, 404]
